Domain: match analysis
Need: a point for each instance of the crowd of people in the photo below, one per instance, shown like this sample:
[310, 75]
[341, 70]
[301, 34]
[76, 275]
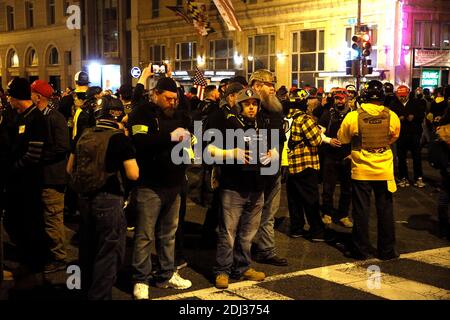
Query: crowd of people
[101, 154]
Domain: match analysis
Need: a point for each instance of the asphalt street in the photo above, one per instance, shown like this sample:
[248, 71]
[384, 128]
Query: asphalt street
[316, 271]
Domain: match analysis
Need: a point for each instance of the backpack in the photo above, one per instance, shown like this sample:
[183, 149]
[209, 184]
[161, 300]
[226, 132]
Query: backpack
[438, 148]
[89, 168]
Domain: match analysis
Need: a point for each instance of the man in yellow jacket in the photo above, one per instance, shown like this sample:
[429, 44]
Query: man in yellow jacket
[371, 130]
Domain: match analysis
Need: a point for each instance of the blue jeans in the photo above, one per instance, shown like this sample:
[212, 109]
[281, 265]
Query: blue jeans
[157, 219]
[102, 243]
[264, 242]
[238, 225]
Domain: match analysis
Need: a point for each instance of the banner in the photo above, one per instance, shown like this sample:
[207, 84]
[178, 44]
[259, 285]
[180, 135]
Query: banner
[226, 10]
[431, 58]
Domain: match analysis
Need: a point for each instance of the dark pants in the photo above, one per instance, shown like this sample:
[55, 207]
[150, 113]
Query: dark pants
[303, 191]
[209, 228]
[24, 222]
[412, 144]
[361, 193]
[334, 170]
[102, 243]
[179, 235]
[443, 204]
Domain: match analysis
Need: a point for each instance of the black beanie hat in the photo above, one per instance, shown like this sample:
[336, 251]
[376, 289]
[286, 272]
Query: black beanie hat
[166, 84]
[20, 89]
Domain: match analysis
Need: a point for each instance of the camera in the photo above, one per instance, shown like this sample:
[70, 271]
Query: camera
[159, 69]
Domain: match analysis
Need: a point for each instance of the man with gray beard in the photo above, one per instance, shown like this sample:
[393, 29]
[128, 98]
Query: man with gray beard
[263, 82]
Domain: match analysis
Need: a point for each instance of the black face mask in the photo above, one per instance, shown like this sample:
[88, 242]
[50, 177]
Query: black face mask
[419, 96]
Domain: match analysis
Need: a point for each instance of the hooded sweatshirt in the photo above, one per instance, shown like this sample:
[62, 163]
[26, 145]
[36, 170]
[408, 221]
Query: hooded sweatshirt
[368, 166]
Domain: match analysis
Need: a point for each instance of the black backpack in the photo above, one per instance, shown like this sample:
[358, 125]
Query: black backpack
[89, 168]
[438, 154]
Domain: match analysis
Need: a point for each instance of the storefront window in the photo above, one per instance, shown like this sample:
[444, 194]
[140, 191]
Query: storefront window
[261, 53]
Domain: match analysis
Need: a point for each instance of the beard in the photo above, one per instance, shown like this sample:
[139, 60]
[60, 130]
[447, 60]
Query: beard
[169, 112]
[271, 102]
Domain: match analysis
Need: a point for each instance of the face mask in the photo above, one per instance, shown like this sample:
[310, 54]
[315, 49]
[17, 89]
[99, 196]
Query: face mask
[419, 96]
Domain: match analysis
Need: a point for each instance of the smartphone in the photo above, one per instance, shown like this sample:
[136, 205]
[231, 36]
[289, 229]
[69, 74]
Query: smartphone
[159, 69]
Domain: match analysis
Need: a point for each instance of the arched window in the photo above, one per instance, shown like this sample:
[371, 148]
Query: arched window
[53, 57]
[13, 59]
[32, 58]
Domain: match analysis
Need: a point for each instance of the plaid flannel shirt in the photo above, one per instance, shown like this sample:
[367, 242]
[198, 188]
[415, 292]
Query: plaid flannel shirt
[306, 136]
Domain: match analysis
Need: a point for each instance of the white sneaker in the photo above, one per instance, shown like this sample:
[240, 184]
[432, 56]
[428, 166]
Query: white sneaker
[403, 183]
[419, 183]
[176, 282]
[326, 219]
[140, 291]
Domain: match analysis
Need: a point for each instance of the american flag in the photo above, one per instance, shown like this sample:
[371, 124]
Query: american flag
[226, 10]
[199, 82]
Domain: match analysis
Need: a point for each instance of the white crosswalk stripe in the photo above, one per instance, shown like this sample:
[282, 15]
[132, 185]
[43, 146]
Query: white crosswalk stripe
[354, 275]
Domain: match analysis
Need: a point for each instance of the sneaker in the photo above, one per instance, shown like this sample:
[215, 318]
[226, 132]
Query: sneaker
[275, 261]
[321, 236]
[222, 281]
[181, 263]
[419, 183]
[326, 219]
[140, 291]
[55, 266]
[403, 183]
[176, 282]
[253, 275]
[346, 222]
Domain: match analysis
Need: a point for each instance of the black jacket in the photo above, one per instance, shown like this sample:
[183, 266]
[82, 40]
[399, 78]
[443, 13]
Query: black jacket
[56, 149]
[150, 130]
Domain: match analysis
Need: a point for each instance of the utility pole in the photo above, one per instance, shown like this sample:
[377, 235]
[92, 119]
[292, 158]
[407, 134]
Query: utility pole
[358, 26]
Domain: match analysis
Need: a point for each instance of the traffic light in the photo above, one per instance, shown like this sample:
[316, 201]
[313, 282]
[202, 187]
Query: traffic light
[366, 46]
[357, 43]
[366, 67]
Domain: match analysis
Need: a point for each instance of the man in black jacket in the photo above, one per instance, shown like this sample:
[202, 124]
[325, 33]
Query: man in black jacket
[54, 159]
[263, 82]
[411, 113]
[24, 190]
[156, 128]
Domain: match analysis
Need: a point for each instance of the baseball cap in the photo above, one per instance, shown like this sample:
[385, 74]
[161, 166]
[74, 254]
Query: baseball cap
[233, 88]
[166, 84]
[19, 88]
[81, 78]
[43, 88]
[402, 91]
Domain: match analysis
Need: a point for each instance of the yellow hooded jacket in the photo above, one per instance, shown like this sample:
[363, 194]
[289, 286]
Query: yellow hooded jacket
[368, 166]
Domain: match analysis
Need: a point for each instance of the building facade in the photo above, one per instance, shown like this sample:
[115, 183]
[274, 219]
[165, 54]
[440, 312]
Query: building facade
[36, 43]
[302, 42]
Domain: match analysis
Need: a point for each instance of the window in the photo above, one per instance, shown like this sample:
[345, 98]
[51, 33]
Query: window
[429, 34]
[53, 57]
[221, 55]
[155, 8]
[110, 28]
[13, 59]
[261, 52]
[29, 12]
[157, 53]
[51, 12]
[186, 55]
[445, 35]
[10, 17]
[65, 7]
[308, 56]
[32, 59]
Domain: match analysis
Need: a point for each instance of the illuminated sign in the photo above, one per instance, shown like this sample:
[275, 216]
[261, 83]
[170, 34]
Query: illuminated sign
[430, 78]
[136, 72]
